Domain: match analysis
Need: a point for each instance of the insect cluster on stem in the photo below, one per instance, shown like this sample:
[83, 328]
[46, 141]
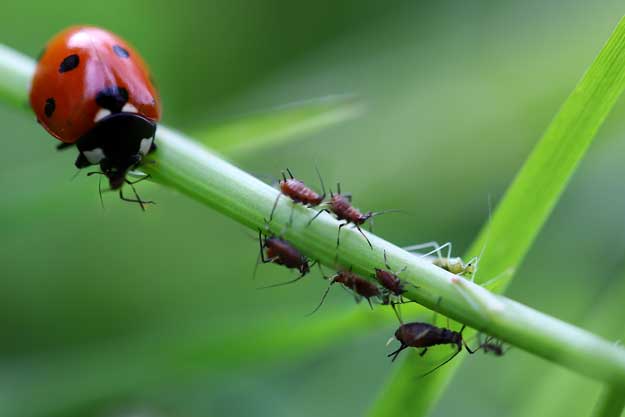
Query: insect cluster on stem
[384, 285]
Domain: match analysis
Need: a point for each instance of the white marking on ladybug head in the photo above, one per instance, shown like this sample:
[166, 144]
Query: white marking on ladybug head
[101, 114]
[94, 156]
[145, 145]
[129, 108]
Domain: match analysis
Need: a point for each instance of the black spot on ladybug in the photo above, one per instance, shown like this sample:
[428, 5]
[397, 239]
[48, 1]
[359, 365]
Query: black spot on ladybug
[120, 52]
[112, 98]
[69, 63]
[49, 108]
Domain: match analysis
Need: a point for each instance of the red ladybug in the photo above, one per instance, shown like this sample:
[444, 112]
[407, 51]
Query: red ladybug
[93, 90]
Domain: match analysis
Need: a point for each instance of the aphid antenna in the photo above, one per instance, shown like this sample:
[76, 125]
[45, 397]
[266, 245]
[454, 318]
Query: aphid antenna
[396, 352]
[486, 239]
[323, 188]
[280, 284]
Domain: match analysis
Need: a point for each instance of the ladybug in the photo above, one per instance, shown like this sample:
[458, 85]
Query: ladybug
[91, 89]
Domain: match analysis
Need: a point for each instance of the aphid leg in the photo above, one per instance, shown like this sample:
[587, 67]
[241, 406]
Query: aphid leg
[273, 209]
[363, 235]
[423, 352]
[261, 242]
[442, 364]
[290, 223]
[472, 262]
[369, 301]
[317, 215]
[435, 315]
[290, 174]
[323, 298]
[397, 314]
[338, 235]
[437, 249]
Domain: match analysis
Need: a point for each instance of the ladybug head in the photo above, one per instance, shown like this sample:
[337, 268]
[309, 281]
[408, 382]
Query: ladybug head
[116, 170]
[118, 142]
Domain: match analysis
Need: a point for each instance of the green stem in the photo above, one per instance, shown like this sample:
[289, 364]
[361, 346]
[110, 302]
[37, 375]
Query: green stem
[611, 403]
[184, 165]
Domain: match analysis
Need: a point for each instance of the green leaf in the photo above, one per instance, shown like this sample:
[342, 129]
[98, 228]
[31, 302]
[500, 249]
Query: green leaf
[524, 209]
[177, 354]
[279, 125]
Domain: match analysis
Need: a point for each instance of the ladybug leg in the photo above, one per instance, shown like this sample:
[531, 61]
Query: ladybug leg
[137, 200]
[145, 177]
[64, 145]
[153, 146]
[81, 161]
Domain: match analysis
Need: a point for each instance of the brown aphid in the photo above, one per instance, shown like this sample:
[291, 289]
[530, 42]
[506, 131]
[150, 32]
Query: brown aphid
[390, 280]
[492, 345]
[298, 192]
[425, 335]
[359, 285]
[278, 251]
[341, 206]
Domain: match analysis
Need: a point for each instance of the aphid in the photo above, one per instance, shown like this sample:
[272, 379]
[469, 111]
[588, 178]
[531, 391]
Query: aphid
[491, 345]
[454, 265]
[281, 252]
[361, 287]
[298, 192]
[390, 280]
[341, 206]
[425, 335]
[92, 90]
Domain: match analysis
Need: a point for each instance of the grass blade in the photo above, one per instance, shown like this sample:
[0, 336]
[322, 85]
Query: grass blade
[531, 197]
[279, 125]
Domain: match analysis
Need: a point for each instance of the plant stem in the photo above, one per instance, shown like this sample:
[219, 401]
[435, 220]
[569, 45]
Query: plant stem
[184, 165]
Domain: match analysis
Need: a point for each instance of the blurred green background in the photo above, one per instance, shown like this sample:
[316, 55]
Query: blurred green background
[457, 93]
